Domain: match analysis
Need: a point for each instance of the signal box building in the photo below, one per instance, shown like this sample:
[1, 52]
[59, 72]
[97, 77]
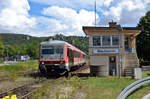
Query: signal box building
[112, 49]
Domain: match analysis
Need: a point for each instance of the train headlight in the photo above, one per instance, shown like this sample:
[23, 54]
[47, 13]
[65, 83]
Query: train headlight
[61, 62]
[42, 62]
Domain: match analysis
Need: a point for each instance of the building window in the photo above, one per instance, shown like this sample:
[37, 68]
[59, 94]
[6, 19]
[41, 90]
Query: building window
[115, 40]
[96, 41]
[106, 40]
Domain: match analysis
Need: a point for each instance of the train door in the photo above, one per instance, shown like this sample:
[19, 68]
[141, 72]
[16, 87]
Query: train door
[70, 57]
[112, 65]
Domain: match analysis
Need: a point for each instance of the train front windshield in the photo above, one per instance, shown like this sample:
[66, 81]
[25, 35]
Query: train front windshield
[52, 53]
[47, 51]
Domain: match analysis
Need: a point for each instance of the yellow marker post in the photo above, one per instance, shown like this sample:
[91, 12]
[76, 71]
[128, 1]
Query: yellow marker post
[13, 97]
[6, 97]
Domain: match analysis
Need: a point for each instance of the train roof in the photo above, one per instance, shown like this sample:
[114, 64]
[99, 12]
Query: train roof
[57, 42]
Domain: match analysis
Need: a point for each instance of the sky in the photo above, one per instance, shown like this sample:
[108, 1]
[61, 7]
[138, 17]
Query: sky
[48, 17]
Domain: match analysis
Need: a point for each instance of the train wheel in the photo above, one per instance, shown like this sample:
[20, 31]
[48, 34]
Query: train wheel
[63, 72]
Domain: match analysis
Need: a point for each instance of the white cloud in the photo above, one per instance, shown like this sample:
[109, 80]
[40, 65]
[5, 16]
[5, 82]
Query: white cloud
[67, 20]
[126, 12]
[108, 2]
[47, 26]
[68, 16]
[122, 11]
[14, 17]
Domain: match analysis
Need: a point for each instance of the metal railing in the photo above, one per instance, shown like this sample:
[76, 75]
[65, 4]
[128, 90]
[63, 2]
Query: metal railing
[132, 87]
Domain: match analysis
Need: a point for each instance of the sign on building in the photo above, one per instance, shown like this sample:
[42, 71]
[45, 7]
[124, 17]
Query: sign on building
[105, 51]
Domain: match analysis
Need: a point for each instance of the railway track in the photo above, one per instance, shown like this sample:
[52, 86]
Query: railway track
[80, 70]
[23, 91]
[26, 90]
[21, 73]
[27, 72]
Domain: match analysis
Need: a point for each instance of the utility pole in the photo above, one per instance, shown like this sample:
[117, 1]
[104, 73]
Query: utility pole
[119, 28]
[6, 52]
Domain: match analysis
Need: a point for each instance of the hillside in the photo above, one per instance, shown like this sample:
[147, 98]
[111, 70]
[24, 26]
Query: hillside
[19, 39]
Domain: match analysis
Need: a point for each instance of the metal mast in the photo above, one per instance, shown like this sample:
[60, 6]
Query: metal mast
[95, 12]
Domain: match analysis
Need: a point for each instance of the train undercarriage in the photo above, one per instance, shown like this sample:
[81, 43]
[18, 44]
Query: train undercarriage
[53, 69]
[58, 70]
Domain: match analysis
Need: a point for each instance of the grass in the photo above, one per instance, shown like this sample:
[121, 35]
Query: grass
[19, 66]
[105, 88]
[141, 92]
[94, 87]
[11, 70]
[58, 89]
[146, 74]
[111, 87]
[62, 88]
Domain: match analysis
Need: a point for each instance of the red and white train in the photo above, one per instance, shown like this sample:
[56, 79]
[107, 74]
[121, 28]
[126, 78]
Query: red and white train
[58, 57]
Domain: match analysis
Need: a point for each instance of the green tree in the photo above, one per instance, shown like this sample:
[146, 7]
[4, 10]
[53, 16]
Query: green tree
[22, 49]
[143, 39]
[11, 50]
[32, 49]
[1, 47]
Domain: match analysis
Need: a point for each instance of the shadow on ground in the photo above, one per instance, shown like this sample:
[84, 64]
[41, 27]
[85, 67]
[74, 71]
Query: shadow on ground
[81, 74]
[39, 75]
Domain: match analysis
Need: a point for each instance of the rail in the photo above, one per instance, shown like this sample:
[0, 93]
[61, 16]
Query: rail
[23, 90]
[132, 87]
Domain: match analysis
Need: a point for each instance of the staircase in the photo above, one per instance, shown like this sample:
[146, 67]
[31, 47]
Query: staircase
[131, 62]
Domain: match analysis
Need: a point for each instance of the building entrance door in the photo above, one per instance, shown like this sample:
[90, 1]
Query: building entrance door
[112, 65]
[126, 43]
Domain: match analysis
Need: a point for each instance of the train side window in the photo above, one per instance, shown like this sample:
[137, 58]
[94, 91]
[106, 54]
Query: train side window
[76, 54]
[83, 56]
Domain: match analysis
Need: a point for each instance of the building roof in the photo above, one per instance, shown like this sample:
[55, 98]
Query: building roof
[109, 28]
[113, 27]
[86, 29]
